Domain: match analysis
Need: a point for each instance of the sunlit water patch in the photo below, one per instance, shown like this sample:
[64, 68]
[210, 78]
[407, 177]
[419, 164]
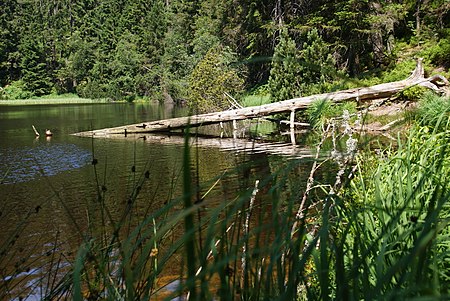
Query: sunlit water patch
[21, 165]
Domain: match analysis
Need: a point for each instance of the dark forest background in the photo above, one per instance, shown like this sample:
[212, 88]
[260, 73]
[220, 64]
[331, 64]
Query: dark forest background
[163, 49]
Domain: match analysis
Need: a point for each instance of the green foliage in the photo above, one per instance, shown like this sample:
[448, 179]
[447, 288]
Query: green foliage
[318, 66]
[438, 52]
[255, 100]
[72, 46]
[302, 72]
[124, 68]
[74, 72]
[398, 71]
[16, 90]
[35, 74]
[433, 110]
[320, 112]
[413, 93]
[8, 43]
[401, 227]
[285, 76]
[211, 79]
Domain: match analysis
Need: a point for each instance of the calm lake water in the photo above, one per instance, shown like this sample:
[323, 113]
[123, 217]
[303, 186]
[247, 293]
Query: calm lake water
[48, 185]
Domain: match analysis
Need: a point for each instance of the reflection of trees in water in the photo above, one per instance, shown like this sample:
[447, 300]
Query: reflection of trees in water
[143, 182]
[37, 239]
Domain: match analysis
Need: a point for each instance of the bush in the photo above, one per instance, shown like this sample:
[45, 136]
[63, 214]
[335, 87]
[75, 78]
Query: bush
[211, 79]
[413, 93]
[93, 89]
[438, 53]
[16, 90]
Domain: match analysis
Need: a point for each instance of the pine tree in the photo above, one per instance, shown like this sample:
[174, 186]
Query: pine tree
[124, 68]
[8, 42]
[33, 64]
[285, 77]
[178, 59]
[318, 66]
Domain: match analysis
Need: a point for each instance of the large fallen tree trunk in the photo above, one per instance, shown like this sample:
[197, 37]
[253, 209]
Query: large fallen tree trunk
[358, 94]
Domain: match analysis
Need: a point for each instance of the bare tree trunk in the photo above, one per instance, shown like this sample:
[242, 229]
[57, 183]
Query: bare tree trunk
[418, 8]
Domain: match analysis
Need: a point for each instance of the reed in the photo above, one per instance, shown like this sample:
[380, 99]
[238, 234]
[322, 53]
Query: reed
[433, 110]
[379, 232]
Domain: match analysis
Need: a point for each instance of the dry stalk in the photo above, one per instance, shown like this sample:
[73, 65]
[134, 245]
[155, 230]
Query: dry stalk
[246, 231]
[309, 183]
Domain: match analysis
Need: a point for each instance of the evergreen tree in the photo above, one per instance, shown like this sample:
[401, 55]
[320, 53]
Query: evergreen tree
[74, 72]
[124, 68]
[207, 27]
[8, 43]
[318, 66]
[178, 60]
[38, 41]
[35, 74]
[285, 77]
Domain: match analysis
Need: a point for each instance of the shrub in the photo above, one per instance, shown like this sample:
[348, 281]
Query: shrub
[16, 90]
[413, 93]
[214, 76]
[438, 53]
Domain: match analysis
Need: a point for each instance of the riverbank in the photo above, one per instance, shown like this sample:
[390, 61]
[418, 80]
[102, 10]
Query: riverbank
[52, 101]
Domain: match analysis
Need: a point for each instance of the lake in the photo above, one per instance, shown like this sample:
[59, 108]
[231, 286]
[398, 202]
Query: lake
[49, 185]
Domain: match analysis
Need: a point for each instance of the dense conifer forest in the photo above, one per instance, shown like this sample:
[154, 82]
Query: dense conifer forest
[171, 49]
[359, 216]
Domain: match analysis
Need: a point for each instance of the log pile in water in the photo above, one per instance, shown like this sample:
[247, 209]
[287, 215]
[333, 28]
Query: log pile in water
[436, 83]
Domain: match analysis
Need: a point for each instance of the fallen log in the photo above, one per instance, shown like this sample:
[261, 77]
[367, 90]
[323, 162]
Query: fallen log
[358, 94]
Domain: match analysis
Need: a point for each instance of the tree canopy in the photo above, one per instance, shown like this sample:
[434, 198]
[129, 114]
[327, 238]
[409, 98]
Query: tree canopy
[124, 49]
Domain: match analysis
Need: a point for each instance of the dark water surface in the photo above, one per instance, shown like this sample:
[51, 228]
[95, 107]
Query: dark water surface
[48, 185]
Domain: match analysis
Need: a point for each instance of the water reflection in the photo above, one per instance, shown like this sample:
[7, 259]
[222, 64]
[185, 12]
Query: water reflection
[43, 159]
[53, 198]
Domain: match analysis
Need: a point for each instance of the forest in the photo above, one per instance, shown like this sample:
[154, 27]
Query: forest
[184, 50]
[358, 216]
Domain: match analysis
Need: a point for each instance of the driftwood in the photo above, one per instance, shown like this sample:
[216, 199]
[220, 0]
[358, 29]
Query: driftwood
[358, 94]
[35, 131]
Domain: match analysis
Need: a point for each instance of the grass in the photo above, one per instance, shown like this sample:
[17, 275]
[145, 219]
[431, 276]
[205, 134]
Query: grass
[433, 110]
[322, 111]
[398, 230]
[255, 100]
[379, 231]
[52, 99]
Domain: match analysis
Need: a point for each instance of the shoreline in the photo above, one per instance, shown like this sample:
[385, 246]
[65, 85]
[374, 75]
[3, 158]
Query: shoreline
[52, 101]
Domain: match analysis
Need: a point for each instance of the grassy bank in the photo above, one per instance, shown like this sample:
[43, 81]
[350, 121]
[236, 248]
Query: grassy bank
[51, 100]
